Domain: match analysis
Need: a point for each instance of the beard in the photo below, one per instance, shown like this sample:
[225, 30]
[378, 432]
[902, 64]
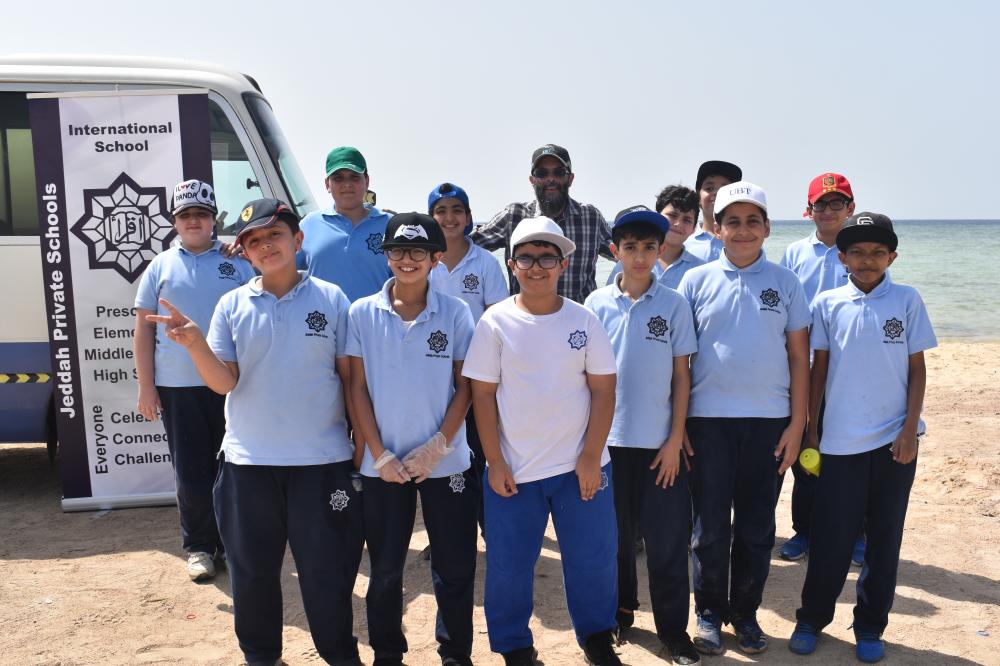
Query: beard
[551, 203]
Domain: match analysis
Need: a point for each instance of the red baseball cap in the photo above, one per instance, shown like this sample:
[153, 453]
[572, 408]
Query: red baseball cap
[826, 183]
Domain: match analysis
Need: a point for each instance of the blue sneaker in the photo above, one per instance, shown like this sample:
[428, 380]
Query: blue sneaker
[750, 638]
[708, 633]
[795, 548]
[858, 554]
[803, 640]
[870, 647]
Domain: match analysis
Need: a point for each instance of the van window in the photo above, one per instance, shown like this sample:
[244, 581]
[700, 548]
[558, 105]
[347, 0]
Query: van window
[18, 207]
[281, 154]
[234, 179]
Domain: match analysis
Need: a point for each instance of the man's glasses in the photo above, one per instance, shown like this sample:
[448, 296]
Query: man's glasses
[833, 204]
[546, 261]
[542, 172]
[397, 253]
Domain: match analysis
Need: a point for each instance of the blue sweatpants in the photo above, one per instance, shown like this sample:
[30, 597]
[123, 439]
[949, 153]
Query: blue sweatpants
[587, 539]
[315, 510]
[865, 488]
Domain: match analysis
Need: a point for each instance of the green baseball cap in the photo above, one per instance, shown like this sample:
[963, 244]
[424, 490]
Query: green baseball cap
[345, 157]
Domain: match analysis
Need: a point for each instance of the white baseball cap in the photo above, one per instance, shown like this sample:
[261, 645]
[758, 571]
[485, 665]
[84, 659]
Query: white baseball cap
[541, 229]
[738, 192]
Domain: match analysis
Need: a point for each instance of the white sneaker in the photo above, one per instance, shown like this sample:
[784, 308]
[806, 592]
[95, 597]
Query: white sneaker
[200, 566]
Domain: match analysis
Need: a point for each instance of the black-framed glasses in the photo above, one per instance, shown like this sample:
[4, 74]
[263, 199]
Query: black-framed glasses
[833, 204]
[416, 253]
[546, 261]
[542, 172]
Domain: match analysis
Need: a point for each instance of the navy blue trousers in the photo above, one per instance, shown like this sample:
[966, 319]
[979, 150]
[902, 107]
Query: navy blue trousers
[195, 421]
[663, 517]
[863, 489]
[317, 512]
[449, 506]
[478, 463]
[733, 490]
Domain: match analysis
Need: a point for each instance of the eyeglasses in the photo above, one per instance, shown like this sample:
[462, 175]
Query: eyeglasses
[546, 261]
[397, 253]
[833, 204]
[542, 172]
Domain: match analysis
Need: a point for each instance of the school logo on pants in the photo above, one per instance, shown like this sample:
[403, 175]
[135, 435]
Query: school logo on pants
[456, 482]
[604, 481]
[339, 500]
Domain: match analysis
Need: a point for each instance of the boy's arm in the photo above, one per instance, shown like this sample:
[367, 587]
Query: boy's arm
[904, 449]
[817, 388]
[391, 470]
[423, 460]
[797, 343]
[144, 347]
[602, 411]
[484, 401]
[668, 458]
[342, 364]
[220, 376]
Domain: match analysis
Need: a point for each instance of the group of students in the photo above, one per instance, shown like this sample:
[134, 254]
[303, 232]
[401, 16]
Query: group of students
[667, 406]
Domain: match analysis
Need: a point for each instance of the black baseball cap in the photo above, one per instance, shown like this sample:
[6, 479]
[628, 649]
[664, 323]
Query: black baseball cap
[717, 168]
[264, 213]
[867, 228]
[552, 150]
[414, 230]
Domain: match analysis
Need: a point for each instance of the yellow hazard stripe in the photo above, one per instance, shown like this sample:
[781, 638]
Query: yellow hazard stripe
[24, 377]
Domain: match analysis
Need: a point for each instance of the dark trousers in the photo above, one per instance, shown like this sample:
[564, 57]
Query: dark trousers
[663, 517]
[316, 510]
[478, 463]
[803, 490]
[195, 421]
[449, 507]
[732, 474]
[866, 488]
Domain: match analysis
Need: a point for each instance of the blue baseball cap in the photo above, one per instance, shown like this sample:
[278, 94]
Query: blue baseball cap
[642, 214]
[449, 191]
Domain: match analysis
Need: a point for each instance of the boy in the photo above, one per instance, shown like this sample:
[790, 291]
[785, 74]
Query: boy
[830, 201]
[747, 414]
[343, 244]
[406, 347]
[652, 335]
[712, 175]
[276, 347]
[194, 275]
[869, 338]
[543, 385]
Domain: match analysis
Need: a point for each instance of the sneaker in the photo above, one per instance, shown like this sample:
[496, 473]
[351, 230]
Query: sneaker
[521, 657]
[598, 650]
[200, 566]
[708, 639]
[623, 622]
[682, 650]
[750, 638]
[456, 661]
[870, 647]
[795, 548]
[803, 640]
[858, 554]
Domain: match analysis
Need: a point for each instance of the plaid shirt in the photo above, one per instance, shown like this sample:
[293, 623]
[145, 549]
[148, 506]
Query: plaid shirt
[582, 223]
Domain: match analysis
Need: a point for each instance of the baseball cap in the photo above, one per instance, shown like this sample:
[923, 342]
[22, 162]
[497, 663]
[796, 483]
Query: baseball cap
[552, 150]
[737, 192]
[641, 214]
[446, 191]
[541, 229]
[345, 157]
[414, 230]
[717, 168]
[261, 214]
[193, 193]
[826, 183]
[867, 228]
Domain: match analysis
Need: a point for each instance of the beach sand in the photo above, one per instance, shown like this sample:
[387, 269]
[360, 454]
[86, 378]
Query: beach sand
[110, 587]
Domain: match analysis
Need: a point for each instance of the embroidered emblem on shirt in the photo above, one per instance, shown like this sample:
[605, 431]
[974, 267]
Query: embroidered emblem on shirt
[770, 298]
[316, 321]
[339, 500]
[657, 326]
[375, 243]
[456, 482]
[471, 282]
[438, 342]
[893, 328]
[604, 481]
[578, 339]
[226, 269]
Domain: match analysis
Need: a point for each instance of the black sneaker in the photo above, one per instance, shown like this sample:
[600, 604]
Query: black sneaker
[599, 651]
[461, 660]
[521, 657]
[623, 622]
[682, 650]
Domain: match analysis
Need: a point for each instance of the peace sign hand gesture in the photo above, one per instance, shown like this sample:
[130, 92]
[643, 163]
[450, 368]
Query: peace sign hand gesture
[180, 329]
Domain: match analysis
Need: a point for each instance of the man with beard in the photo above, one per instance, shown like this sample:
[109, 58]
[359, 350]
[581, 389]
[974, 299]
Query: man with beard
[551, 176]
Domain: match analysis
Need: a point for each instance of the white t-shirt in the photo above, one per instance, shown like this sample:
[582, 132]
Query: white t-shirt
[541, 363]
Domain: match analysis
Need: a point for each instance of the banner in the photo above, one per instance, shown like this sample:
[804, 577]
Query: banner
[105, 165]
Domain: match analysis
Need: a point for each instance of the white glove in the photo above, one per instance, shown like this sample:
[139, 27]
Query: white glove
[421, 461]
[390, 469]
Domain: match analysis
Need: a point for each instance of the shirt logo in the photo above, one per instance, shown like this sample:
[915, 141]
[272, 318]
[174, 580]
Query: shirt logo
[316, 321]
[227, 270]
[438, 342]
[339, 500]
[770, 298]
[456, 482]
[375, 243]
[471, 282]
[578, 339]
[411, 231]
[657, 326]
[893, 328]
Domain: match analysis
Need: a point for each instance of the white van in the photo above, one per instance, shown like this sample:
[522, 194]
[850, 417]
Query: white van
[250, 160]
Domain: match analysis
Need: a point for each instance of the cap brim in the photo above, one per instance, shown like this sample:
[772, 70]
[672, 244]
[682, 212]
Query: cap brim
[343, 165]
[718, 168]
[832, 190]
[193, 204]
[866, 233]
[565, 245]
[649, 217]
[544, 155]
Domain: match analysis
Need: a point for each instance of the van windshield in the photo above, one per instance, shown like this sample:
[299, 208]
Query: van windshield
[281, 154]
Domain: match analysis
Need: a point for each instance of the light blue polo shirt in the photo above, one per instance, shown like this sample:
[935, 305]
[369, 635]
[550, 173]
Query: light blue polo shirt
[741, 316]
[410, 371]
[646, 335]
[704, 245]
[194, 283]
[617, 270]
[288, 405]
[817, 266]
[477, 280]
[349, 256]
[870, 338]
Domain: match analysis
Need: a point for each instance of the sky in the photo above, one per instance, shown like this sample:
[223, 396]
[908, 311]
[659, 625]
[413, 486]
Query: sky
[901, 97]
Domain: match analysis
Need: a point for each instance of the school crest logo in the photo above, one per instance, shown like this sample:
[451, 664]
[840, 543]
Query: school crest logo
[604, 481]
[339, 500]
[316, 321]
[657, 326]
[456, 482]
[438, 342]
[226, 269]
[578, 339]
[375, 243]
[770, 298]
[471, 282]
[893, 328]
[124, 226]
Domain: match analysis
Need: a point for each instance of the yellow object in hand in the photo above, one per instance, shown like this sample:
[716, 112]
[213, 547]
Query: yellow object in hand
[810, 461]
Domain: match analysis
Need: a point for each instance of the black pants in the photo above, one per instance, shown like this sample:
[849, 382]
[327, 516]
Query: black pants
[478, 463]
[663, 517]
[195, 421]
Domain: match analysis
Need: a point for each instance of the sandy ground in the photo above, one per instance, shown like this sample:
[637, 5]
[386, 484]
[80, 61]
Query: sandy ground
[110, 588]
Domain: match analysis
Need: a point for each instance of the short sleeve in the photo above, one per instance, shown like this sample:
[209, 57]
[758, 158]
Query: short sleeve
[600, 353]
[464, 328]
[798, 309]
[352, 346]
[220, 333]
[482, 360]
[682, 337]
[495, 289]
[147, 296]
[343, 307]
[686, 290]
[245, 269]
[819, 336]
[919, 332]
[786, 258]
